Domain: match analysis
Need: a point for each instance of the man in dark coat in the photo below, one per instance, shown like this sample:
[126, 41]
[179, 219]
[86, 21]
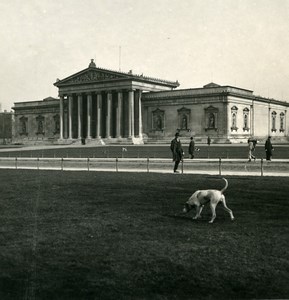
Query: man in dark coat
[192, 148]
[268, 148]
[209, 141]
[177, 151]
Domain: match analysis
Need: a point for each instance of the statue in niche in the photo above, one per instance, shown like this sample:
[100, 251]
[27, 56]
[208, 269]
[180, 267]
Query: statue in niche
[234, 121]
[245, 121]
[23, 125]
[184, 122]
[57, 126]
[159, 123]
[274, 123]
[211, 120]
[282, 123]
[40, 126]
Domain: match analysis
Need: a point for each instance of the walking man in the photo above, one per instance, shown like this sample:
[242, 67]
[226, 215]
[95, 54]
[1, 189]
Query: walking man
[209, 140]
[268, 148]
[177, 151]
[192, 148]
[251, 148]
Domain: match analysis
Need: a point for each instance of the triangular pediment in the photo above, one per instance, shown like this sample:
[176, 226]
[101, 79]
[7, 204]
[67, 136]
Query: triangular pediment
[91, 75]
[94, 74]
[211, 85]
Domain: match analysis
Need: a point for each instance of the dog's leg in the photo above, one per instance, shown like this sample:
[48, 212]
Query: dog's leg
[198, 211]
[227, 209]
[201, 208]
[213, 209]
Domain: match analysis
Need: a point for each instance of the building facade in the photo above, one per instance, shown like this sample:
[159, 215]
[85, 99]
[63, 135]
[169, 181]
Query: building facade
[6, 119]
[102, 106]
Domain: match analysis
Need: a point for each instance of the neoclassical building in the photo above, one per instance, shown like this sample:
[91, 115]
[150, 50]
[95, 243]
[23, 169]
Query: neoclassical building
[102, 106]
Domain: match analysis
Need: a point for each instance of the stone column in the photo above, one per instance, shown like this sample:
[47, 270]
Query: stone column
[139, 115]
[118, 114]
[269, 120]
[131, 114]
[98, 117]
[108, 115]
[79, 103]
[70, 106]
[61, 117]
[252, 120]
[89, 112]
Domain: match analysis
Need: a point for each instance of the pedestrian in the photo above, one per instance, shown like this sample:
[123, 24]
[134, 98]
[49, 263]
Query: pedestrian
[177, 151]
[268, 148]
[209, 141]
[192, 148]
[251, 148]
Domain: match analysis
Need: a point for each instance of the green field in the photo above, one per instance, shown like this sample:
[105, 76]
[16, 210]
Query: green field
[82, 235]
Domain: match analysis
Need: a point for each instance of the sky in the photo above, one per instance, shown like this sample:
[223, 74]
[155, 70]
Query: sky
[243, 43]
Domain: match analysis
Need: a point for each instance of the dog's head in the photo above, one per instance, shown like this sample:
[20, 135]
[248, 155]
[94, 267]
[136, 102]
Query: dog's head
[187, 207]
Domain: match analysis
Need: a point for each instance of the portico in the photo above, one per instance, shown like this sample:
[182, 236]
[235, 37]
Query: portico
[98, 104]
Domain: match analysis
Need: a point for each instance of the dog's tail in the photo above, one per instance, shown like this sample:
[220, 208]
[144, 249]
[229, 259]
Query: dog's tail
[225, 187]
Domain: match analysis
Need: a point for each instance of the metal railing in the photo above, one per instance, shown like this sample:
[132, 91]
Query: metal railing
[215, 166]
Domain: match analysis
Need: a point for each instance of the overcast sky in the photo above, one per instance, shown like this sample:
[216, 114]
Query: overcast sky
[244, 43]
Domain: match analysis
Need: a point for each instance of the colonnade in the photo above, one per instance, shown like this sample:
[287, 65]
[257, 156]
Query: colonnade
[103, 114]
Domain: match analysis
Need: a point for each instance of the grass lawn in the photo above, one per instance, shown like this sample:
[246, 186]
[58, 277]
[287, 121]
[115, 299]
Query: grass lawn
[98, 235]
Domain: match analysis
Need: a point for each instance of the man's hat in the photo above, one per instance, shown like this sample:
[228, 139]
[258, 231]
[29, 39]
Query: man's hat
[177, 134]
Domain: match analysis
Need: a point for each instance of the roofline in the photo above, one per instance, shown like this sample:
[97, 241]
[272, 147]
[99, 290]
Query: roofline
[207, 88]
[251, 97]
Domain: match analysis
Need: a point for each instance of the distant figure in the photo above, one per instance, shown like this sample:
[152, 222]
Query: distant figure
[251, 149]
[209, 141]
[268, 148]
[192, 148]
[177, 151]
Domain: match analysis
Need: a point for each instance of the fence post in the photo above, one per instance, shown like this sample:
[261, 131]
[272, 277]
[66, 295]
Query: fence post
[61, 163]
[261, 166]
[220, 169]
[88, 164]
[148, 161]
[116, 164]
[16, 163]
[37, 163]
[182, 166]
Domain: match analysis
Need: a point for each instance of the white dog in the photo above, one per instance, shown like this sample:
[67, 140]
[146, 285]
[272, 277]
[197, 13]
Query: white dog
[201, 197]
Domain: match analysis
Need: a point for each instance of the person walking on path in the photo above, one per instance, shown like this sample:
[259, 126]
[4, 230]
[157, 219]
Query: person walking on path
[192, 148]
[268, 148]
[251, 148]
[209, 141]
[177, 151]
